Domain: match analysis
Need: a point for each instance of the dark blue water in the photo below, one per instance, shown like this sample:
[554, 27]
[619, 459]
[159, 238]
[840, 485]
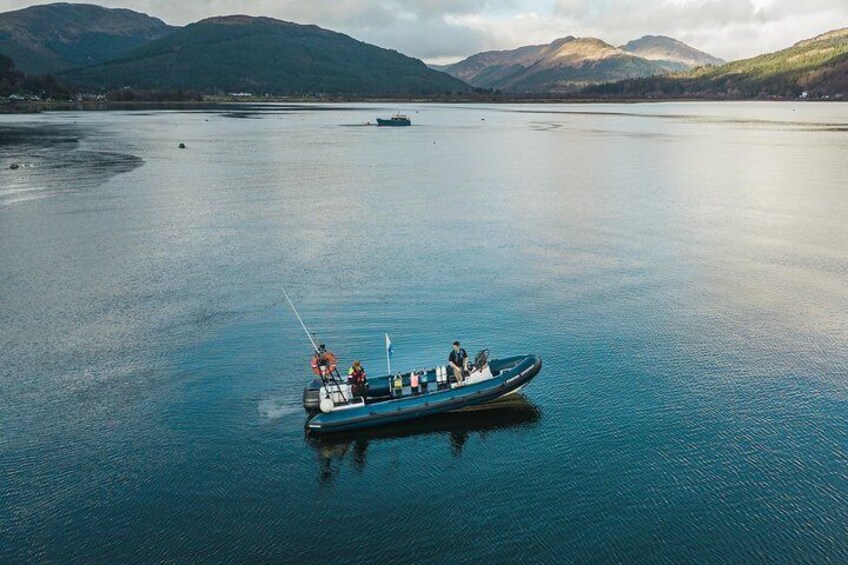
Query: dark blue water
[681, 268]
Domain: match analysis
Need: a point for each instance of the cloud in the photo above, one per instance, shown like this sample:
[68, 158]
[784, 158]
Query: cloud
[451, 29]
[728, 28]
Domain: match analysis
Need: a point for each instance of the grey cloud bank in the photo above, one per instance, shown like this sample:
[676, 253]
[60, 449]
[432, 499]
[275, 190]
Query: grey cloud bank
[447, 30]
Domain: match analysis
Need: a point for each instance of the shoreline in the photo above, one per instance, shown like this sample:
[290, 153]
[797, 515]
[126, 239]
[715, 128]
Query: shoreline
[37, 107]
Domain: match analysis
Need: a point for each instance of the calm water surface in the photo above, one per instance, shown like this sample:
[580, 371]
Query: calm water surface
[681, 268]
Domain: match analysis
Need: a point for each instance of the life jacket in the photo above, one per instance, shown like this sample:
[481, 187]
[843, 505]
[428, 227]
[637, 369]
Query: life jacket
[357, 377]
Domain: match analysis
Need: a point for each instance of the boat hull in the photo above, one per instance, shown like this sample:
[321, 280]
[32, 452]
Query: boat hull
[393, 123]
[518, 372]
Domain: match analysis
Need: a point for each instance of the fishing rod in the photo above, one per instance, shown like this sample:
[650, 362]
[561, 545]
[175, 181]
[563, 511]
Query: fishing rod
[299, 319]
[337, 378]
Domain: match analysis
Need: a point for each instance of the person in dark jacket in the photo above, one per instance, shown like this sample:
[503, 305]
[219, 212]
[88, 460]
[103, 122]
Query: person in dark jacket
[458, 361]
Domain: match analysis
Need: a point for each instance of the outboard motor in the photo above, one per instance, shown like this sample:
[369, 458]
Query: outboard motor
[312, 396]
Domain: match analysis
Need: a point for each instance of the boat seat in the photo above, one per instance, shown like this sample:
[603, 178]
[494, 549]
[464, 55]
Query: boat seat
[477, 376]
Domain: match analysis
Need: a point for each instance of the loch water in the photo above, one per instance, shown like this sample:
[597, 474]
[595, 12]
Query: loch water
[682, 269]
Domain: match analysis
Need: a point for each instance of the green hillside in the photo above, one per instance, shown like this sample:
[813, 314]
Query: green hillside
[14, 81]
[10, 77]
[817, 66]
[265, 56]
[54, 37]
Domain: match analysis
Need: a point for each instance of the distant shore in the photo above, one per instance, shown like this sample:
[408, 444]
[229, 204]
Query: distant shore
[34, 107]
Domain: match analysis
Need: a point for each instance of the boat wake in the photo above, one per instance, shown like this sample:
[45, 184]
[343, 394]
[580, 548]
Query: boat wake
[39, 162]
[273, 409]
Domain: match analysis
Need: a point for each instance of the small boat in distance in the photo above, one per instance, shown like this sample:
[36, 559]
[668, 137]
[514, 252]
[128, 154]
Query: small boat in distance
[397, 120]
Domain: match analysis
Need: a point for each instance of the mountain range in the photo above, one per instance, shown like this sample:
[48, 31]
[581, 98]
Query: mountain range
[91, 48]
[56, 37]
[99, 48]
[264, 55]
[571, 63]
[817, 67]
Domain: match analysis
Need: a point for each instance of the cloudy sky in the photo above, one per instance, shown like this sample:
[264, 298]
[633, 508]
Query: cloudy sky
[448, 30]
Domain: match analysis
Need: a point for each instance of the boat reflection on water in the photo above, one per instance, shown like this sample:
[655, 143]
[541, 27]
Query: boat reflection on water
[334, 449]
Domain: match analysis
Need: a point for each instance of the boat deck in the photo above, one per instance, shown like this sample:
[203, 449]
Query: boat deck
[406, 402]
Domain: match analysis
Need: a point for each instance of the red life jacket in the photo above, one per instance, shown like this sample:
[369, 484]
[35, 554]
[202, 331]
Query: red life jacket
[357, 377]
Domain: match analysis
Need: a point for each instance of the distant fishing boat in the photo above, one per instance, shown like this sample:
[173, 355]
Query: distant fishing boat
[398, 120]
[334, 405]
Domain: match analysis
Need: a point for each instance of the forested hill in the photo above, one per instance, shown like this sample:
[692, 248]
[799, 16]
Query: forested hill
[54, 37]
[817, 67]
[266, 56]
[14, 81]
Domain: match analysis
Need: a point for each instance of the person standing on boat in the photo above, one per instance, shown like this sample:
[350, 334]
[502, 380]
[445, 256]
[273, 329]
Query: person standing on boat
[458, 361]
[323, 362]
[356, 378]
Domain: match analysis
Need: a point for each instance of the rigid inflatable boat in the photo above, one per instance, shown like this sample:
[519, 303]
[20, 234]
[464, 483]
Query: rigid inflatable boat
[333, 406]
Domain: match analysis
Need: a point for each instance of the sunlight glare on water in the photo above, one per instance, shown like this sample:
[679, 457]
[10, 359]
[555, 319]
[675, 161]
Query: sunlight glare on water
[680, 267]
